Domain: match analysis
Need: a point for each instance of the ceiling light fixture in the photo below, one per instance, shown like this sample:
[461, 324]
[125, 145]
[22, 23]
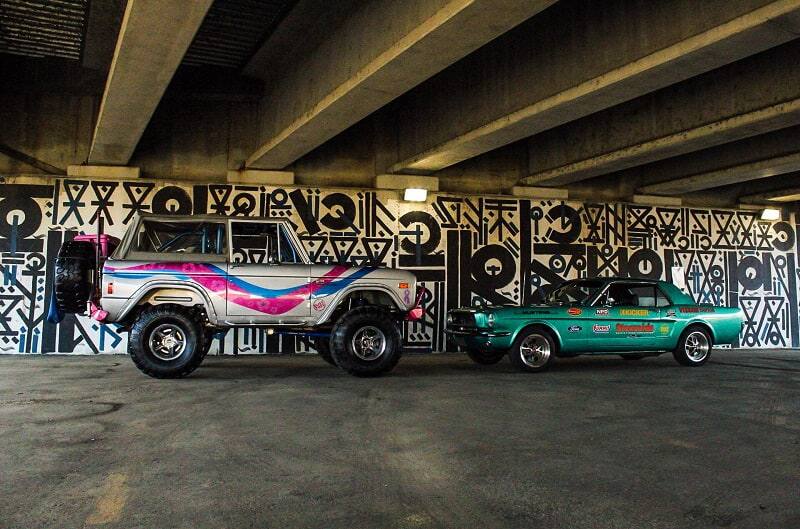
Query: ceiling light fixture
[770, 214]
[414, 194]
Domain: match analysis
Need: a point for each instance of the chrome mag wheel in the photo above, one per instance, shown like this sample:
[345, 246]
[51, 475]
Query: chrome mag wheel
[167, 342]
[535, 351]
[369, 343]
[697, 346]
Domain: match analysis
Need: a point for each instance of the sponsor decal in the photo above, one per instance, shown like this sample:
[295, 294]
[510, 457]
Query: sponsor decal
[664, 329]
[695, 310]
[406, 296]
[574, 311]
[601, 329]
[623, 328]
[575, 328]
[318, 304]
[670, 314]
[634, 312]
[601, 312]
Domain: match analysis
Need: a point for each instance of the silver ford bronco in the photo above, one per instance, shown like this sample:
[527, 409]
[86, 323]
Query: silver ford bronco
[175, 282]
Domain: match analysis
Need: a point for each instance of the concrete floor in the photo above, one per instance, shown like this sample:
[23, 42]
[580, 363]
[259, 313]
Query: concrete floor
[292, 442]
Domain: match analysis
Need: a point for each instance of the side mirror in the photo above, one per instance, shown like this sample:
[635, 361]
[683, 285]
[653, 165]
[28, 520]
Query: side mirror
[609, 302]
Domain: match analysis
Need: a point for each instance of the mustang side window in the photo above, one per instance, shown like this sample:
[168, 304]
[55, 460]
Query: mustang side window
[180, 237]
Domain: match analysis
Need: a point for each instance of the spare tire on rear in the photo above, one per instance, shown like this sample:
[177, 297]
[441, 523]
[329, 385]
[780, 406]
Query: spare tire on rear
[74, 277]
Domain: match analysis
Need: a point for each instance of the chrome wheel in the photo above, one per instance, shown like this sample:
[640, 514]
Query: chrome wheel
[368, 343]
[167, 342]
[534, 351]
[697, 346]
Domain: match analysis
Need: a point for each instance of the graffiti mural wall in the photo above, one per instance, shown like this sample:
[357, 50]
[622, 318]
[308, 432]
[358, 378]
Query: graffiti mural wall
[502, 250]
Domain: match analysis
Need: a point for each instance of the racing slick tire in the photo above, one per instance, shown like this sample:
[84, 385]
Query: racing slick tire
[694, 347]
[485, 358]
[323, 347]
[74, 276]
[366, 341]
[533, 350]
[166, 342]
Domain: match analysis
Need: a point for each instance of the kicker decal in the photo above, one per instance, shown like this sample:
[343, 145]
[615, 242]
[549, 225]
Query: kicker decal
[622, 328]
[634, 312]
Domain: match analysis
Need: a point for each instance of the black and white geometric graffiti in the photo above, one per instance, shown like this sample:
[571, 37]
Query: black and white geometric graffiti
[463, 249]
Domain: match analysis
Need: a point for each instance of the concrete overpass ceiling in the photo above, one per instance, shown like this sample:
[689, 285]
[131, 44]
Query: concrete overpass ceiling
[233, 30]
[42, 28]
[573, 60]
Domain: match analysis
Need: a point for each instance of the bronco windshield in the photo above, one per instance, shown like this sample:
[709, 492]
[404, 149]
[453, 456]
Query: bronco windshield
[574, 292]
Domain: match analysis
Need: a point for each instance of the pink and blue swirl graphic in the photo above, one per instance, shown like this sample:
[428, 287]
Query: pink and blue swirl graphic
[237, 290]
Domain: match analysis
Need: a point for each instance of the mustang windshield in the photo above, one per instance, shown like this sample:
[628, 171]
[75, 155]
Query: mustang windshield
[574, 292]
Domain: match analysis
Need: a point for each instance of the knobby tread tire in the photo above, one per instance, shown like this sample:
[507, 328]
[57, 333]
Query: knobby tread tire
[348, 324]
[323, 347]
[74, 270]
[138, 339]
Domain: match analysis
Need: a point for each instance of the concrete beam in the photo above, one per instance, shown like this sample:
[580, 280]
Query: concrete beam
[730, 175]
[540, 192]
[403, 181]
[753, 96]
[652, 200]
[791, 194]
[576, 59]
[153, 38]
[253, 176]
[382, 50]
[104, 171]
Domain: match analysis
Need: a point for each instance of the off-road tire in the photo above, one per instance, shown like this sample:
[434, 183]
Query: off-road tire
[74, 276]
[485, 358]
[682, 353]
[208, 340]
[356, 320]
[518, 360]
[147, 362]
[323, 346]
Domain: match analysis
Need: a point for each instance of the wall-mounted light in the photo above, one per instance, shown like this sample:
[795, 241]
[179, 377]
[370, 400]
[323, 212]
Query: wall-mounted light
[770, 214]
[414, 194]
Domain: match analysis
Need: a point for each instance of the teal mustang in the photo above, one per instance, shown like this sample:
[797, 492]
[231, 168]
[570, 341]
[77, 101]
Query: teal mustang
[631, 317]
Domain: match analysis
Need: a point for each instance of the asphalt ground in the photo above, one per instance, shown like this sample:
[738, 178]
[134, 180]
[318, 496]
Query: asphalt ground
[288, 441]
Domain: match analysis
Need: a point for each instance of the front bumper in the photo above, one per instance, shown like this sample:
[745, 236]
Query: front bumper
[479, 339]
[476, 332]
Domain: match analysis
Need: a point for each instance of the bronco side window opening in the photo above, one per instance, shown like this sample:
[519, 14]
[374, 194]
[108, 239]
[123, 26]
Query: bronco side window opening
[262, 243]
[179, 237]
